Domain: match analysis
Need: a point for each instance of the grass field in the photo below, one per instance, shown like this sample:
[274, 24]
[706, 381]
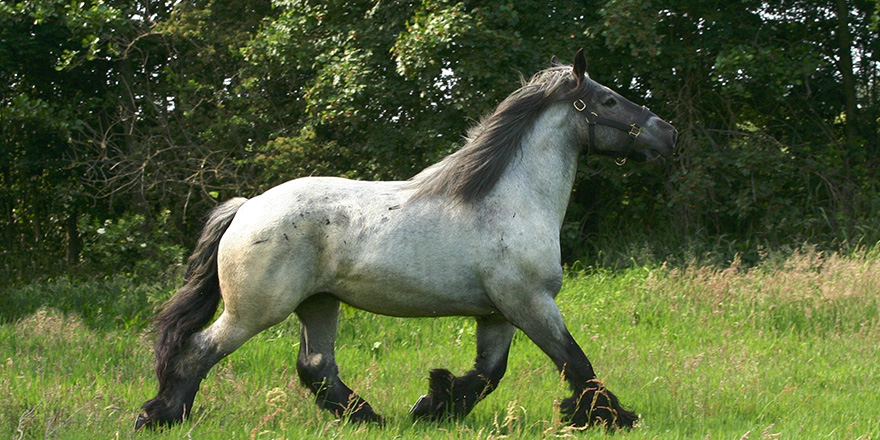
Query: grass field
[787, 349]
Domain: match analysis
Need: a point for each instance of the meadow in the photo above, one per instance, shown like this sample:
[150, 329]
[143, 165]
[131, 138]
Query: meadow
[786, 348]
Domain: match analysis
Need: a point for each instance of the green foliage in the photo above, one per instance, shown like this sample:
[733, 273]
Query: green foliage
[763, 154]
[303, 155]
[110, 113]
[123, 246]
[432, 29]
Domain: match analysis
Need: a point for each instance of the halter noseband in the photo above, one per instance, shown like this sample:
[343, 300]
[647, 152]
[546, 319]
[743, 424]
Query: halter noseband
[633, 130]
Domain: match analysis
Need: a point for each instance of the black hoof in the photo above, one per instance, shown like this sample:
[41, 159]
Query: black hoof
[157, 414]
[596, 407]
[143, 422]
[364, 413]
[438, 404]
[424, 409]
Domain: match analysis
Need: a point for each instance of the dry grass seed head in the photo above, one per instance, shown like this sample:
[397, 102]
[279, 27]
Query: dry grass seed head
[52, 324]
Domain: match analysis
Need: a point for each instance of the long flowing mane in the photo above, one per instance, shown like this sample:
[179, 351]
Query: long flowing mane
[471, 172]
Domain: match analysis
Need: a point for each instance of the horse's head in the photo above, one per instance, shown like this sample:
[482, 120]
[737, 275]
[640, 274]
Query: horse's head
[615, 126]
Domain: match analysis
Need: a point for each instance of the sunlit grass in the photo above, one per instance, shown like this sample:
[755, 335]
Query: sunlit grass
[785, 349]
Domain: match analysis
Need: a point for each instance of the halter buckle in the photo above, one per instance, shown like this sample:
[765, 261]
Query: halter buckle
[580, 105]
[634, 131]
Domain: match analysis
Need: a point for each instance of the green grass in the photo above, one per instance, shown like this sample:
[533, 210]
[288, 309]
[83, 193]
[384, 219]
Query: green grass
[786, 349]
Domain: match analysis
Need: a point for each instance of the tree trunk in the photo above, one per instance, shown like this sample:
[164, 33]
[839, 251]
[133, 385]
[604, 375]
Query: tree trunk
[845, 66]
[74, 241]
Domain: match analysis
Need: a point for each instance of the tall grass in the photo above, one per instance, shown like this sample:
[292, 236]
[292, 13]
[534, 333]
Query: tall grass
[785, 348]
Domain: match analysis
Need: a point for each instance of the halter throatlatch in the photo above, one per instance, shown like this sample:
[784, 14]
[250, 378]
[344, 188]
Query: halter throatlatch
[633, 130]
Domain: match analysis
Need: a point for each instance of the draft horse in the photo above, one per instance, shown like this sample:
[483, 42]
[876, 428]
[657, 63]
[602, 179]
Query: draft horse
[476, 234]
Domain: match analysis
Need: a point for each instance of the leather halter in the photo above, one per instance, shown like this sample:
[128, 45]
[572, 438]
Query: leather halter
[633, 130]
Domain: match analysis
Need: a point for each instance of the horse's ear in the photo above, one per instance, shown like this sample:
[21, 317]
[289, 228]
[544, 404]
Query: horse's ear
[580, 66]
[554, 61]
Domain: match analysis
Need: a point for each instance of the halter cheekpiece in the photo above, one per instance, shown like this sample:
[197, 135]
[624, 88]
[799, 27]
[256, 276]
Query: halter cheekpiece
[633, 130]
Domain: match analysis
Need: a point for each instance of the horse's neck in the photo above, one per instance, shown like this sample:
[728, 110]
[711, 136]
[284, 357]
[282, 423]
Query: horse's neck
[544, 173]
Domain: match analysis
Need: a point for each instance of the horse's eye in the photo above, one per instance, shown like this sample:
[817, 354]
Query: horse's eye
[610, 102]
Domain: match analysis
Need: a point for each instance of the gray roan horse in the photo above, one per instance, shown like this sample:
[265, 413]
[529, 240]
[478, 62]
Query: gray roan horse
[476, 234]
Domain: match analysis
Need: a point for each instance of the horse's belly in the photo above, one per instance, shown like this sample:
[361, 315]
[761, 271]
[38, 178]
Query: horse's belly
[409, 290]
[415, 304]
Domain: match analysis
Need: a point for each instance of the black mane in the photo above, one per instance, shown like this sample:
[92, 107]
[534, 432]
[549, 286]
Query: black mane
[471, 172]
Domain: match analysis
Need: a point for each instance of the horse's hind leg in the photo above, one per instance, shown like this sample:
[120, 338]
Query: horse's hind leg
[455, 397]
[316, 363]
[179, 380]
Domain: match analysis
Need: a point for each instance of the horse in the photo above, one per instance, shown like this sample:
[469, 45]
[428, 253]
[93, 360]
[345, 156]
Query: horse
[476, 234]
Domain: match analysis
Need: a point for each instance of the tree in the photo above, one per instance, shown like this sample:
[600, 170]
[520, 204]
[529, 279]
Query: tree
[52, 79]
[755, 89]
[158, 110]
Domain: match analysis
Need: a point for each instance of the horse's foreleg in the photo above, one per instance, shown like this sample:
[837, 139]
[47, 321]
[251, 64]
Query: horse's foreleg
[316, 364]
[452, 396]
[591, 403]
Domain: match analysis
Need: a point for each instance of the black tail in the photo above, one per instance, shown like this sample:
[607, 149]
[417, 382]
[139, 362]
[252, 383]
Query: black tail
[193, 306]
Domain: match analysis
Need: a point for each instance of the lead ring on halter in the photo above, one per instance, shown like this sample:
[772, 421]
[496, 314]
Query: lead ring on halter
[633, 130]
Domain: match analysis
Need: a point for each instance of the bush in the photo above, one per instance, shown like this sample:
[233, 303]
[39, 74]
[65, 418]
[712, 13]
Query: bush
[128, 246]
